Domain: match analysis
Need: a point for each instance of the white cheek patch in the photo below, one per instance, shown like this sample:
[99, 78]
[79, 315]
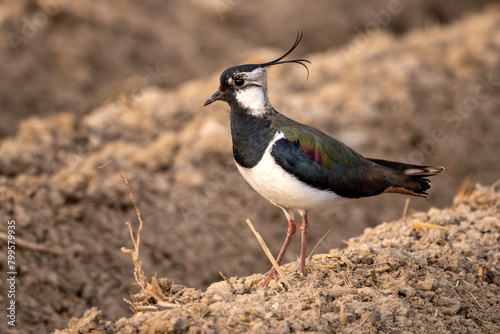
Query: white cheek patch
[253, 98]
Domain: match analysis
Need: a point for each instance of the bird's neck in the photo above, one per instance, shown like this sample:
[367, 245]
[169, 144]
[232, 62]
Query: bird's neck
[251, 135]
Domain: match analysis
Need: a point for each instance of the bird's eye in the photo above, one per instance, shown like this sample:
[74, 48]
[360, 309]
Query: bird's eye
[239, 82]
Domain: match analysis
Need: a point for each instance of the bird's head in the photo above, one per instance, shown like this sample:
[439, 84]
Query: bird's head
[245, 85]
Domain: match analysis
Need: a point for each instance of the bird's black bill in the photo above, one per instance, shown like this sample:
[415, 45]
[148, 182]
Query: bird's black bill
[217, 96]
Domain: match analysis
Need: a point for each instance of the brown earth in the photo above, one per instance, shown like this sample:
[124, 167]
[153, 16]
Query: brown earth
[70, 56]
[434, 272]
[436, 90]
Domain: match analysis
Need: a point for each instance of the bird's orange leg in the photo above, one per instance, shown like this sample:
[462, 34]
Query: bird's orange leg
[304, 229]
[289, 236]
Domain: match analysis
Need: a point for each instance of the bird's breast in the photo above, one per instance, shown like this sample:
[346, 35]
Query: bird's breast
[281, 188]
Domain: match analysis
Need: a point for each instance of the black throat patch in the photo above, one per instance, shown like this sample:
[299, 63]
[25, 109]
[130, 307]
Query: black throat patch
[251, 136]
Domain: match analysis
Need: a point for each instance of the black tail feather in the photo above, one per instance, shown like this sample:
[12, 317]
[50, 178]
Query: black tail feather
[409, 169]
[416, 173]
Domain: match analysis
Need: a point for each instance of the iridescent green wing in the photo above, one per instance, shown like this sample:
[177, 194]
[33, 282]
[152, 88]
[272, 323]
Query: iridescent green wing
[326, 163]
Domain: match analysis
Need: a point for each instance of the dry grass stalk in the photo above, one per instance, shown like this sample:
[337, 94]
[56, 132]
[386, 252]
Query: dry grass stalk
[224, 277]
[140, 278]
[363, 319]
[475, 299]
[464, 193]
[132, 306]
[269, 255]
[312, 252]
[155, 291]
[343, 320]
[326, 256]
[338, 292]
[405, 209]
[421, 225]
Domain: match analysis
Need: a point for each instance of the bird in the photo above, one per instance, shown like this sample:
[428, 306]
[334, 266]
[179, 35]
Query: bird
[296, 167]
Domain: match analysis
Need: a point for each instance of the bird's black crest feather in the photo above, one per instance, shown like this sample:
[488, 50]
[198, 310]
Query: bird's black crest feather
[278, 61]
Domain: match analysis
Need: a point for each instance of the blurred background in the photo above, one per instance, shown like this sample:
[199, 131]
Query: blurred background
[85, 83]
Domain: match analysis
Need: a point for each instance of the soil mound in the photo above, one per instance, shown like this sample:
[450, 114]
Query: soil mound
[434, 272]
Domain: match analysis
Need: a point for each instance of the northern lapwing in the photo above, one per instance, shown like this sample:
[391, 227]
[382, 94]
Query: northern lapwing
[297, 167]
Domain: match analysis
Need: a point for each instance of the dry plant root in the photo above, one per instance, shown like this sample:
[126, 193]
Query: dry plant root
[152, 289]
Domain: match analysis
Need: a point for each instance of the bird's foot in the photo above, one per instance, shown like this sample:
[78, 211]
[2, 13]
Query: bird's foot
[302, 271]
[270, 276]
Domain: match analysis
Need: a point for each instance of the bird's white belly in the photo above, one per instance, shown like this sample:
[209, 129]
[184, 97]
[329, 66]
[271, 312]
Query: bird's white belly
[281, 188]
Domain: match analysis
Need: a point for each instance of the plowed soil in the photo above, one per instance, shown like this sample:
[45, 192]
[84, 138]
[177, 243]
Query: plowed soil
[434, 272]
[125, 81]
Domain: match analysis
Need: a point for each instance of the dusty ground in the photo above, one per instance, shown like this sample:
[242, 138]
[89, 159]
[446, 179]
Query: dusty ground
[434, 272]
[429, 95]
